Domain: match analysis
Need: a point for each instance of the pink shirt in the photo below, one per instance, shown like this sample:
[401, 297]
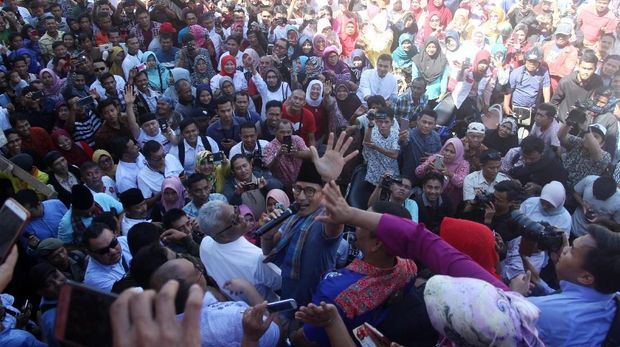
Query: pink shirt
[286, 168]
[591, 24]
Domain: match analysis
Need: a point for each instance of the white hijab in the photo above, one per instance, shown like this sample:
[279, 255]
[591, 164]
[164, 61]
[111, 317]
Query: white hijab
[309, 100]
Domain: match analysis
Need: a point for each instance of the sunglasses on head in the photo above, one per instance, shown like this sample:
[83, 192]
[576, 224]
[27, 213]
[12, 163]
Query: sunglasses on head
[106, 250]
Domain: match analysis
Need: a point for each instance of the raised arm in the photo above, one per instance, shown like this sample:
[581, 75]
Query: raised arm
[130, 98]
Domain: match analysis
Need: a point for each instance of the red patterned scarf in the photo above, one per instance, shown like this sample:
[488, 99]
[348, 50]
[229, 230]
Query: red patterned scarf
[376, 287]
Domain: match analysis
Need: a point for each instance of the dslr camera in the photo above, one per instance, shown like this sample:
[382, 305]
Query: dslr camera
[389, 180]
[481, 200]
[546, 236]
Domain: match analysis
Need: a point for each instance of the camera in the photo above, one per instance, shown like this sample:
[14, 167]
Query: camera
[257, 160]
[389, 180]
[483, 199]
[546, 236]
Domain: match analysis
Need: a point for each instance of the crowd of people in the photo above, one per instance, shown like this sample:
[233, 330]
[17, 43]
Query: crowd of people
[450, 170]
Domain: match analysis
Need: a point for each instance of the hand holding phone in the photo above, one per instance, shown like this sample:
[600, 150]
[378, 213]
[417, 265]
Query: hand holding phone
[282, 305]
[14, 218]
[288, 142]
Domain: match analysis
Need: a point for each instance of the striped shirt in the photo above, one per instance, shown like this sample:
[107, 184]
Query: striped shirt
[84, 130]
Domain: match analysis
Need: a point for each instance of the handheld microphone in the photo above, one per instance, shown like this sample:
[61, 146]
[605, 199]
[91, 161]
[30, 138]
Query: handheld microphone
[272, 223]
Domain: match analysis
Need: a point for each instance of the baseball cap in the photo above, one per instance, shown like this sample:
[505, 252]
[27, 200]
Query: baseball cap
[599, 128]
[564, 28]
[476, 128]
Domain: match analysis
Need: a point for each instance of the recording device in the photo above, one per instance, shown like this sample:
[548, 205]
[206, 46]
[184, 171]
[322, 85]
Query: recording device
[250, 186]
[282, 305]
[438, 161]
[272, 223]
[483, 199]
[105, 47]
[467, 62]
[257, 159]
[37, 95]
[163, 124]
[364, 335]
[546, 236]
[140, 67]
[590, 214]
[288, 142]
[389, 180]
[403, 123]
[14, 218]
[270, 49]
[219, 156]
[81, 59]
[83, 316]
[86, 101]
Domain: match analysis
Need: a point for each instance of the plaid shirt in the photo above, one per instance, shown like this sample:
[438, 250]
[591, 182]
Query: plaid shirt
[136, 30]
[406, 107]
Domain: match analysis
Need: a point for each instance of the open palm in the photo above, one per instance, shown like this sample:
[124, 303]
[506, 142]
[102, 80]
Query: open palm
[330, 165]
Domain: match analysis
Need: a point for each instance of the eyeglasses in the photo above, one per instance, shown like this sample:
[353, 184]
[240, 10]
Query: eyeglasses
[280, 46]
[308, 191]
[234, 221]
[106, 250]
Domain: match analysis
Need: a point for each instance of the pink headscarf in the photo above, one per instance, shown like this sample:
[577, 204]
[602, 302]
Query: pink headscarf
[458, 157]
[199, 34]
[279, 196]
[314, 40]
[175, 184]
[57, 82]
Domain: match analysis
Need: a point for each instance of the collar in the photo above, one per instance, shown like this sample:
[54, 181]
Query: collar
[577, 290]
[189, 147]
[427, 203]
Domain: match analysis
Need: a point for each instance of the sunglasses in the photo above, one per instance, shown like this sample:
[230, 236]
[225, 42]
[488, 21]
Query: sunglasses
[106, 250]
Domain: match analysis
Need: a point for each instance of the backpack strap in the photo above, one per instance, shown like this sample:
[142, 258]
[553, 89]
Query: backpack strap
[181, 147]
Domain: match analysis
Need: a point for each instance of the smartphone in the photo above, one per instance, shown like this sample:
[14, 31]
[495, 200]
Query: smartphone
[270, 49]
[37, 95]
[282, 305]
[105, 47]
[86, 101]
[438, 161]
[163, 124]
[403, 122]
[140, 67]
[219, 156]
[14, 218]
[250, 186]
[83, 316]
[365, 333]
[288, 141]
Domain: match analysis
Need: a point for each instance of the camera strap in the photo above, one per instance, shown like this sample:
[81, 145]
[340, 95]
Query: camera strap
[181, 146]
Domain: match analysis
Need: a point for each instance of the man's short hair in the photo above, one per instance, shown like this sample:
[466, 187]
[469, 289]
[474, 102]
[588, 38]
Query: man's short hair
[385, 57]
[549, 109]
[88, 165]
[428, 112]
[187, 122]
[172, 216]
[603, 262]
[193, 179]
[513, 190]
[604, 187]
[489, 155]
[210, 217]
[28, 198]
[273, 103]
[105, 103]
[376, 100]
[589, 56]
[221, 101]
[92, 232]
[432, 176]
[150, 147]
[532, 144]
[141, 235]
[146, 261]
[247, 125]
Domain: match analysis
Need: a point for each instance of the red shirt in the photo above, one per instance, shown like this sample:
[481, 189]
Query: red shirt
[39, 141]
[303, 123]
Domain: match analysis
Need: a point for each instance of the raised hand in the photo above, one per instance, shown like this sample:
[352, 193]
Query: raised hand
[321, 316]
[336, 207]
[130, 96]
[330, 165]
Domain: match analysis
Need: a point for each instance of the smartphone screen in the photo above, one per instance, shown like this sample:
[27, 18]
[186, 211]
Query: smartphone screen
[163, 124]
[219, 156]
[83, 316]
[283, 305]
[86, 101]
[14, 217]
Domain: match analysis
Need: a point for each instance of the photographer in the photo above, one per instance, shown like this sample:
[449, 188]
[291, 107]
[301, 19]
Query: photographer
[584, 156]
[396, 190]
[483, 182]
[598, 202]
[246, 186]
[548, 209]
[251, 146]
[381, 147]
[507, 197]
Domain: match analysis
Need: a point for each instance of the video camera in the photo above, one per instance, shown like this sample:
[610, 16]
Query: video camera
[389, 180]
[547, 237]
[483, 199]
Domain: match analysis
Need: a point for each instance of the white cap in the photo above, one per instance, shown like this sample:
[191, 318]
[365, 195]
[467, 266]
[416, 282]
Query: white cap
[476, 128]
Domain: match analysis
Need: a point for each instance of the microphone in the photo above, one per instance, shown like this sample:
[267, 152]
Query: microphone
[272, 223]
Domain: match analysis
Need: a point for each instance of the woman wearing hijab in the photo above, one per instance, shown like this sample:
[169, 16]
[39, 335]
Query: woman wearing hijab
[52, 84]
[319, 43]
[349, 34]
[358, 62]
[504, 137]
[173, 196]
[517, 46]
[478, 242]
[472, 93]
[115, 61]
[205, 102]
[314, 104]
[271, 87]
[200, 35]
[443, 12]
[157, 74]
[402, 57]
[229, 69]
[492, 26]
[31, 58]
[474, 45]
[431, 28]
[201, 73]
[432, 65]
[246, 213]
[216, 173]
[460, 23]
[304, 47]
[75, 153]
[331, 62]
[104, 159]
[348, 103]
[276, 198]
[451, 163]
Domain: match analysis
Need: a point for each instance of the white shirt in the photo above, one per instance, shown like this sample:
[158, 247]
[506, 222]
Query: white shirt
[149, 181]
[103, 276]
[151, 99]
[109, 187]
[475, 183]
[130, 62]
[239, 58]
[217, 41]
[220, 324]
[372, 84]
[189, 163]
[127, 223]
[144, 138]
[120, 86]
[239, 82]
[127, 174]
[266, 95]
[239, 259]
[236, 149]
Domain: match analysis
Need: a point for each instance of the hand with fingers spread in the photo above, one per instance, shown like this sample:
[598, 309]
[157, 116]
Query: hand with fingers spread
[149, 318]
[330, 165]
[255, 324]
[130, 96]
[337, 210]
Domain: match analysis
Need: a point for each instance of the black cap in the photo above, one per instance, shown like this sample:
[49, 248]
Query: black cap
[81, 198]
[131, 197]
[308, 173]
[39, 274]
